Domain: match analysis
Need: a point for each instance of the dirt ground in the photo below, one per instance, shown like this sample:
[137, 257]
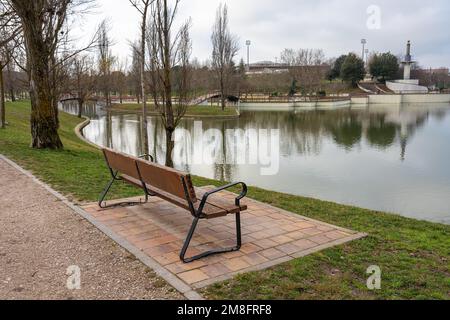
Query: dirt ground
[44, 245]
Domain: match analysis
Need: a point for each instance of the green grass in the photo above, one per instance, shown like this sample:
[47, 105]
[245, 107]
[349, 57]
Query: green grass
[413, 255]
[78, 171]
[192, 111]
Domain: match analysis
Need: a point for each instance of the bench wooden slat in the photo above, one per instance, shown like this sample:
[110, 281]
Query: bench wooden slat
[165, 179]
[126, 165]
[209, 210]
[212, 209]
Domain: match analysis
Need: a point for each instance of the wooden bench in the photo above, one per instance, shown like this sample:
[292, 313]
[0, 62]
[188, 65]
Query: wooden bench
[175, 187]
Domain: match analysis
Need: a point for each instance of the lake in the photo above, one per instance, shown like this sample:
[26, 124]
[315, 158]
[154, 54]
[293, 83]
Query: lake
[387, 158]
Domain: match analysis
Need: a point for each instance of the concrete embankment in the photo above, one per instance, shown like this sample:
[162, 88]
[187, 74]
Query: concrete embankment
[396, 99]
[385, 99]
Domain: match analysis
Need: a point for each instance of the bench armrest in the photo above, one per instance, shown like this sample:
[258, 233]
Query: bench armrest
[228, 186]
[147, 156]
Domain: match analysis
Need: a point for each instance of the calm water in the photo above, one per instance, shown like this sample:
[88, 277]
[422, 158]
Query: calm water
[387, 158]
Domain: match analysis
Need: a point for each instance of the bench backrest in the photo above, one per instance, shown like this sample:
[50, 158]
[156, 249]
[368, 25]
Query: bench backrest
[122, 163]
[166, 180]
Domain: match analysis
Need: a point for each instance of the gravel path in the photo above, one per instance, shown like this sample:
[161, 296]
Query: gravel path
[40, 238]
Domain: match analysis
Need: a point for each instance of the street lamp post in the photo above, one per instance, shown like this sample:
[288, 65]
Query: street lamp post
[248, 43]
[367, 57]
[363, 42]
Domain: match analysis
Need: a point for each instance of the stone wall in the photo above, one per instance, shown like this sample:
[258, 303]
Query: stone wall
[394, 99]
[406, 86]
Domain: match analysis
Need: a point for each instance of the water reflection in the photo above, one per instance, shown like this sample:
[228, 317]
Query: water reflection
[389, 158]
[90, 109]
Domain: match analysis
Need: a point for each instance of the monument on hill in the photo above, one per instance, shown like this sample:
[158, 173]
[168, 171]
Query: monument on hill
[407, 63]
[407, 85]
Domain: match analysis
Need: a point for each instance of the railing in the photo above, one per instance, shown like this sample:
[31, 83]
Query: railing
[403, 92]
[203, 98]
[286, 99]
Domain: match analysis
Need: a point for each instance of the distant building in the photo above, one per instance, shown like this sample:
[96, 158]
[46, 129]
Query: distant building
[438, 78]
[436, 71]
[269, 67]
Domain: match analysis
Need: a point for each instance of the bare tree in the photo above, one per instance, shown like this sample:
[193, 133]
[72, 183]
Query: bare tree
[106, 60]
[143, 7]
[9, 30]
[4, 61]
[169, 55]
[120, 79]
[203, 77]
[83, 79]
[10, 26]
[7, 52]
[42, 26]
[134, 76]
[225, 48]
[15, 80]
[11, 81]
[306, 67]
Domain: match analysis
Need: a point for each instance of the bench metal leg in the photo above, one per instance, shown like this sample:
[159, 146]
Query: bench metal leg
[102, 203]
[212, 252]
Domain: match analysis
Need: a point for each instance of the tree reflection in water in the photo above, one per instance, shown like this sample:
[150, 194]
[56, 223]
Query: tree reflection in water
[302, 132]
[328, 154]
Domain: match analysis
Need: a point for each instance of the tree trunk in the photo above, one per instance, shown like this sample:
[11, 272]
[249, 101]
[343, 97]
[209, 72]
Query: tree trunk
[44, 128]
[54, 91]
[11, 83]
[2, 99]
[222, 93]
[170, 146]
[106, 94]
[170, 118]
[109, 133]
[143, 93]
[80, 107]
[223, 103]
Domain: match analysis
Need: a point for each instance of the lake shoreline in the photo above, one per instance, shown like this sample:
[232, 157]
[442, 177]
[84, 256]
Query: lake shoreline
[318, 148]
[193, 112]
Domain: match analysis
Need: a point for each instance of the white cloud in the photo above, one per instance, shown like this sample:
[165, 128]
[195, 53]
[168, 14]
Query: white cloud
[334, 25]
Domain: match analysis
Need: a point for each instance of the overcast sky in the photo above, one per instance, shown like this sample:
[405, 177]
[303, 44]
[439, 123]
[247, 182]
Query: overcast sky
[336, 26]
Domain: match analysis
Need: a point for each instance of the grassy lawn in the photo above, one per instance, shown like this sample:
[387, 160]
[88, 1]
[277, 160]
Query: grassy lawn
[413, 255]
[192, 111]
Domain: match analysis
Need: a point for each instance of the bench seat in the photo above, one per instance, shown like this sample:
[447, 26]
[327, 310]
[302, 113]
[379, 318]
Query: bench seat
[177, 188]
[214, 208]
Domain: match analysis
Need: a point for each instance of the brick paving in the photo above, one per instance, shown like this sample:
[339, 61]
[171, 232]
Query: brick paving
[270, 236]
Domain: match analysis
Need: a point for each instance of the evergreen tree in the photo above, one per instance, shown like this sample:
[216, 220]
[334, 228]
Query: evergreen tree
[353, 69]
[384, 66]
[241, 67]
[293, 89]
[335, 71]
